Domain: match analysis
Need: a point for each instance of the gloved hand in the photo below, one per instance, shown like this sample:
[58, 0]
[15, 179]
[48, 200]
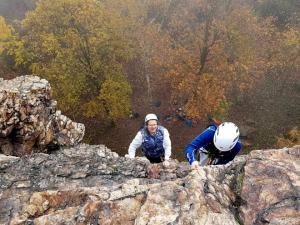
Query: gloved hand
[195, 165]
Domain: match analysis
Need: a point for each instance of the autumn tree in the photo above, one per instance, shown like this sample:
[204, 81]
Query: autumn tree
[79, 47]
[5, 34]
[285, 12]
[211, 50]
[282, 73]
[290, 139]
[144, 29]
[205, 51]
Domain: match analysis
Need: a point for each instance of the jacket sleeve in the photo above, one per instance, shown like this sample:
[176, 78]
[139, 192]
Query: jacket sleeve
[136, 143]
[205, 137]
[227, 158]
[167, 144]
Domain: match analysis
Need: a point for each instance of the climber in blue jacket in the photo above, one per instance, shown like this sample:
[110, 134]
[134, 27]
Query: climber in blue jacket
[215, 145]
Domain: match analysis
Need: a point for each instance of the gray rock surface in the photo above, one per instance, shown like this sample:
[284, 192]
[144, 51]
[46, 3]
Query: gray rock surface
[92, 185]
[271, 186]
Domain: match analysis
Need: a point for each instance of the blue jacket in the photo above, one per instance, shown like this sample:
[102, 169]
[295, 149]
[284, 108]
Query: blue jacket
[153, 144]
[205, 140]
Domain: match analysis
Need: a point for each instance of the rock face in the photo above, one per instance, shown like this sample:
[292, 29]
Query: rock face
[92, 185]
[29, 121]
[85, 184]
[271, 187]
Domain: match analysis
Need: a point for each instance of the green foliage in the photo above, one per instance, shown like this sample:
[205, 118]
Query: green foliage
[114, 96]
[113, 100]
[203, 49]
[77, 45]
[223, 111]
[5, 34]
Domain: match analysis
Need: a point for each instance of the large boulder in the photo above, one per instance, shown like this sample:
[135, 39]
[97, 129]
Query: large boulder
[29, 120]
[271, 187]
[92, 185]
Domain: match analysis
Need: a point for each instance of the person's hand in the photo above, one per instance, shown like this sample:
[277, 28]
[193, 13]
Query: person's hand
[166, 163]
[195, 165]
[128, 156]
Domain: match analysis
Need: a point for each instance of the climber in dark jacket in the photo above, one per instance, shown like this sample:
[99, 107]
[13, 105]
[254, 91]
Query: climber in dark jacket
[155, 141]
[216, 145]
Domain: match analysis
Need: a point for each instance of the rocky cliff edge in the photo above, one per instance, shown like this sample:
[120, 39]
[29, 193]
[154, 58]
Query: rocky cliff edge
[89, 184]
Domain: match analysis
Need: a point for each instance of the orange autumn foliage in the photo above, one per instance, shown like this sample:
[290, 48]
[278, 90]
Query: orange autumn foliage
[209, 50]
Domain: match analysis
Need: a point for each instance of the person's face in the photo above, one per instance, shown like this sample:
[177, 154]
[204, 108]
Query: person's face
[152, 126]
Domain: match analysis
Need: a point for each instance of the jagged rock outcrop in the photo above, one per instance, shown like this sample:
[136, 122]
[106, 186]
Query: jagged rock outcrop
[29, 120]
[92, 185]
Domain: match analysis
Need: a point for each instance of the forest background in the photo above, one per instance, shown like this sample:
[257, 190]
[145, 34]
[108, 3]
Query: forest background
[110, 62]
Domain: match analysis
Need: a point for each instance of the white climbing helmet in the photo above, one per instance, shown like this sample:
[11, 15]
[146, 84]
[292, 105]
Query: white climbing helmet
[150, 116]
[226, 136]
